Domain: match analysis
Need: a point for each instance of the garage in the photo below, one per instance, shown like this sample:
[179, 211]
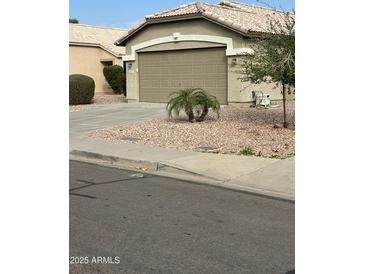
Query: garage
[195, 45]
[163, 72]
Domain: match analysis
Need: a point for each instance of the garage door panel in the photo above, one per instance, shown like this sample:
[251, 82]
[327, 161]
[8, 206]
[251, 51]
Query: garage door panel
[187, 83]
[198, 83]
[164, 72]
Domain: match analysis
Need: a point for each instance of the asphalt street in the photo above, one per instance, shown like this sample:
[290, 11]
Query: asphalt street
[128, 222]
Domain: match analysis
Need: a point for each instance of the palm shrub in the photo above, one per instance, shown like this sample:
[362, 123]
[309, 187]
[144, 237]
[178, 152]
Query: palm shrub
[206, 101]
[195, 102]
[182, 100]
[115, 77]
[81, 89]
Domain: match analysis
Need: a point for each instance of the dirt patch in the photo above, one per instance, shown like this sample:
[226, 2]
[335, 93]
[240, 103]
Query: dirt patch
[237, 131]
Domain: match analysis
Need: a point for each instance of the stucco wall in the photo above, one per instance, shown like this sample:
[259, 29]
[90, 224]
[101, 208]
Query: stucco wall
[237, 91]
[87, 60]
[132, 80]
[194, 26]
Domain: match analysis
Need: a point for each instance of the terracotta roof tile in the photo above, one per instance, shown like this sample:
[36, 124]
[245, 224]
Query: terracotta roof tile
[103, 36]
[240, 17]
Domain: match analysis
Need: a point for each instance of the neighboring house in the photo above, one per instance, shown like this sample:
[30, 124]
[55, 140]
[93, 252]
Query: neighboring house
[91, 48]
[194, 45]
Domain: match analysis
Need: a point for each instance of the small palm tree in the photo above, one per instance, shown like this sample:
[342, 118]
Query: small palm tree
[192, 100]
[206, 101]
[182, 100]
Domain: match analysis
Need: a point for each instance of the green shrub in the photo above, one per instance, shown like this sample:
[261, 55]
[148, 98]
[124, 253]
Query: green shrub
[115, 77]
[81, 89]
[195, 102]
[73, 21]
[246, 151]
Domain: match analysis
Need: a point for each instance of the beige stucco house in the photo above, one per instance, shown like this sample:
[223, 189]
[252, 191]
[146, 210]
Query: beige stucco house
[194, 45]
[91, 48]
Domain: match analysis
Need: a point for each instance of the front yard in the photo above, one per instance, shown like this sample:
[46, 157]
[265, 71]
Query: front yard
[239, 130]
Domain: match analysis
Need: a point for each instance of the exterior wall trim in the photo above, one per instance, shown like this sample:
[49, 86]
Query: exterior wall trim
[239, 51]
[177, 37]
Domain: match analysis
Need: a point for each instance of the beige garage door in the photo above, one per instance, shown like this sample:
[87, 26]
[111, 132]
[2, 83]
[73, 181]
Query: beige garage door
[164, 72]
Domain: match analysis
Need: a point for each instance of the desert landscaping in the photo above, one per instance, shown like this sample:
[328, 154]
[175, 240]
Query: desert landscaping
[238, 130]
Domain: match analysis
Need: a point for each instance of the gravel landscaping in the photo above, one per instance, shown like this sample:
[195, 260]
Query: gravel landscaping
[239, 130]
[100, 99]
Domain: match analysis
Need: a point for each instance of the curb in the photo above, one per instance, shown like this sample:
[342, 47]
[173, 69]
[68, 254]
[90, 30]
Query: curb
[172, 168]
[118, 161]
[165, 170]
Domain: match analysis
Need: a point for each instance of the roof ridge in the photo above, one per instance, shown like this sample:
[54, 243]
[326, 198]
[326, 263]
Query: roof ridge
[228, 7]
[167, 10]
[99, 27]
[234, 4]
[197, 5]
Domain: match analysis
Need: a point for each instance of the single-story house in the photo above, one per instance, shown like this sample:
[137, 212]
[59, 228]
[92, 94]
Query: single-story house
[194, 45]
[91, 48]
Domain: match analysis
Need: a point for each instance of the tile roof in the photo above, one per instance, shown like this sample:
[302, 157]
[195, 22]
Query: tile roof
[243, 17]
[240, 17]
[100, 36]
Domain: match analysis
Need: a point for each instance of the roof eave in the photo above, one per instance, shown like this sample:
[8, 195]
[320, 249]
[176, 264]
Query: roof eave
[97, 45]
[150, 21]
[75, 43]
[122, 39]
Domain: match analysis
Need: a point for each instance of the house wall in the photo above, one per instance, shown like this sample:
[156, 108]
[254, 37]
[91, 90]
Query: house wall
[240, 91]
[192, 26]
[87, 60]
[236, 89]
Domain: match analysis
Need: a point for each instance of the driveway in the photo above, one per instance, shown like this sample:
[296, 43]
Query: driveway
[105, 116]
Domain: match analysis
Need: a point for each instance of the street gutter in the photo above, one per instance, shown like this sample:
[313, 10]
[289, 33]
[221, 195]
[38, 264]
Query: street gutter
[164, 169]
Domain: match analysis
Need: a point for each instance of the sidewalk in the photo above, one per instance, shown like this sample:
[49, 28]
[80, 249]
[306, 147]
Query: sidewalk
[264, 176]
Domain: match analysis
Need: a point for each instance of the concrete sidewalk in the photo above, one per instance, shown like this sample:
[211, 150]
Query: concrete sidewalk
[271, 177]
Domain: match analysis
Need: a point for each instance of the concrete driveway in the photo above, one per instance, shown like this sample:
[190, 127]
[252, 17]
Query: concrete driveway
[105, 116]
